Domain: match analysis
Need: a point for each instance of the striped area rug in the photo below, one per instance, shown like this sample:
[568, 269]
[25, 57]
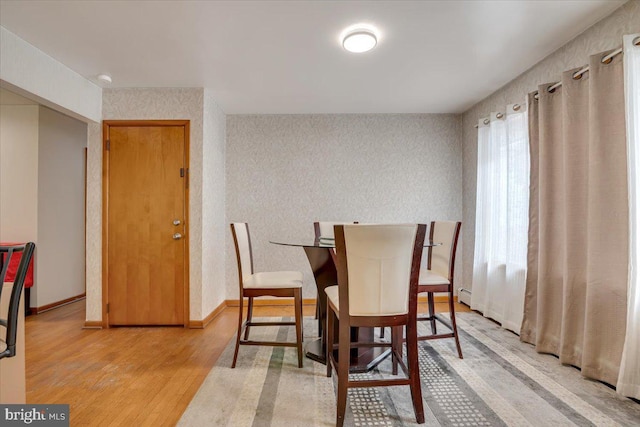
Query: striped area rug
[500, 382]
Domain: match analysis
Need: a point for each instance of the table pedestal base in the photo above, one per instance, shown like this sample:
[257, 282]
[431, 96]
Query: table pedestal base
[314, 350]
[362, 359]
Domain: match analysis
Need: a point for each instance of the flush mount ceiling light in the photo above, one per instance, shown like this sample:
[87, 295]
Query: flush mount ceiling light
[359, 38]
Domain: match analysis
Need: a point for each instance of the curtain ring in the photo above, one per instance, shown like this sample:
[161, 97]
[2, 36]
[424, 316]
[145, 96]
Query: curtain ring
[606, 60]
[499, 115]
[636, 41]
[578, 74]
[516, 107]
[486, 121]
[551, 89]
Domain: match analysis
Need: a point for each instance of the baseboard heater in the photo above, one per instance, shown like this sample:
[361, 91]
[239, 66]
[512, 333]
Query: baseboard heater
[464, 296]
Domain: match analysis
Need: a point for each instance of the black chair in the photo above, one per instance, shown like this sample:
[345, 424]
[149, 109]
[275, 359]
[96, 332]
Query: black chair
[8, 342]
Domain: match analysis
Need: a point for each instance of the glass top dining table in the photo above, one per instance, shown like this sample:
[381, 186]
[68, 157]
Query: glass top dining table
[321, 257]
[323, 243]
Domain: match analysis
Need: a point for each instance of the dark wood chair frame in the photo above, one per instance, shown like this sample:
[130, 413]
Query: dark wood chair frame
[11, 322]
[396, 322]
[316, 230]
[251, 293]
[430, 290]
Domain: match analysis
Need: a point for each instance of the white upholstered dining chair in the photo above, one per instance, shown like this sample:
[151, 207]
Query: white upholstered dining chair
[378, 268]
[252, 285]
[438, 276]
[324, 230]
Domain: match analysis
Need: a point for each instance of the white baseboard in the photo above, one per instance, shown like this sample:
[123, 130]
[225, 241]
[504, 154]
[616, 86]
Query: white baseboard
[464, 296]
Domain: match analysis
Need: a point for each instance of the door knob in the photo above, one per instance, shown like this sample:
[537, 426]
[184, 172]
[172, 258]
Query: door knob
[177, 236]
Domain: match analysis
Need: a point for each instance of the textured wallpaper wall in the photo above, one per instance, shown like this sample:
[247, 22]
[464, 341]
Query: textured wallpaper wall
[285, 171]
[606, 34]
[145, 104]
[213, 206]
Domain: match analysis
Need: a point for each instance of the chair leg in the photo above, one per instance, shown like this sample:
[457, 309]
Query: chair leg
[329, 340]
[344, 347]
[298, 310]
[452, 314]
[235, 353]
[301, 318]
[249, 317]
[396, 348]
[432, 312]
[414, 371]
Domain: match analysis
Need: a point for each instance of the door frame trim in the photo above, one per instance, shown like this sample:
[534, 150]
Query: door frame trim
[106, 125]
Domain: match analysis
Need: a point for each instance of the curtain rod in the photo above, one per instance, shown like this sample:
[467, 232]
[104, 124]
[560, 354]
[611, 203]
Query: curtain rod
[516, 107]
[578, 74]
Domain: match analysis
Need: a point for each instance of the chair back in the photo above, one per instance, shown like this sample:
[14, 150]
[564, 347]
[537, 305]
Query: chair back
[441, 259]
[11, 322]
[378, 267]
[244, 255]
[325, 228]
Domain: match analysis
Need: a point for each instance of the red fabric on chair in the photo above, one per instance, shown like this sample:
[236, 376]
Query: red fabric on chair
[13, 266]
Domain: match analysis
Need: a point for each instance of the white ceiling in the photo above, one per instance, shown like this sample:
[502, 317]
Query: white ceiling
[275, 57]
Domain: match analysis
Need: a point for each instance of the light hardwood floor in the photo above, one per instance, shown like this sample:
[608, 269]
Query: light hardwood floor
[127, 376]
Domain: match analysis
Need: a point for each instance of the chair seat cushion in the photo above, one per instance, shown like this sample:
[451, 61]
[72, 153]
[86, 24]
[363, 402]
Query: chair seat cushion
[333, 295]
[427, 277]
[274, 279]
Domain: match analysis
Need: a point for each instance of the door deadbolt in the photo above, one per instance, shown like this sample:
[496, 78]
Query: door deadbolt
[177, 236]
[176, 222]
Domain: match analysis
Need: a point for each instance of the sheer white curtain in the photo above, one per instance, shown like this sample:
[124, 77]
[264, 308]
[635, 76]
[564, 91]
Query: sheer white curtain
[629, 377]
[502, 217]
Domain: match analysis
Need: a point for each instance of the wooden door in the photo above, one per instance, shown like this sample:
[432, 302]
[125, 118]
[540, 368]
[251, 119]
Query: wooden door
[146, 212]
